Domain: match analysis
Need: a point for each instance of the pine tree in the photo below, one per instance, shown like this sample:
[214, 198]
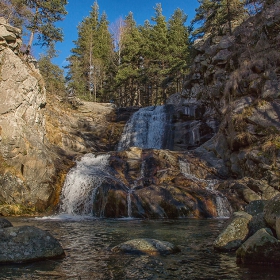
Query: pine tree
[15, 12]
[127, 78]
[158, 55]
[217, 16]
[91, 55]
[44, 16]
[178, 49]
[52, 74]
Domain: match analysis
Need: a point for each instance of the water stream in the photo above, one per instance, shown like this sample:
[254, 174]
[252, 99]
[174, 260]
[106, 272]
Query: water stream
[223, 206]
[87, 245]
[148, 128]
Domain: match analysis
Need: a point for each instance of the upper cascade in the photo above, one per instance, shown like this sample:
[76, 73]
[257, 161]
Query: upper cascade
[148, 128]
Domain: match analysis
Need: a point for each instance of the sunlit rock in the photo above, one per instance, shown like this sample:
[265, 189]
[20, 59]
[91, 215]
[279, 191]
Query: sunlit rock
[146, 246]
[235, 233]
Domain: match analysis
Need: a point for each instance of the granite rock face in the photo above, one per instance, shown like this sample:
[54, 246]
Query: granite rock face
[26, 169]
[236, 77]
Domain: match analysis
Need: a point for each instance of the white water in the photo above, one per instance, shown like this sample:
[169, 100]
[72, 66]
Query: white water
[222, 204]
[81, 184]
[145, 129]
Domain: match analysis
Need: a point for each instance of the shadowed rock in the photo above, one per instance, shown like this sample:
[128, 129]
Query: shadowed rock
[4, 223]
[27, 243]
[272, 210]
[262, 248]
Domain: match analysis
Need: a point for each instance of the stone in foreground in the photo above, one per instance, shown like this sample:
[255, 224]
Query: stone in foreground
[5, 223]
[235, 233]
[261, 248]
[272, 210]
[146, 246]
[27, 243]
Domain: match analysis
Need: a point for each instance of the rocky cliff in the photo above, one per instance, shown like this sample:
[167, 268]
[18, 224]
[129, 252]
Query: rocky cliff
[39, 136]
[26, 166]
[237, 78]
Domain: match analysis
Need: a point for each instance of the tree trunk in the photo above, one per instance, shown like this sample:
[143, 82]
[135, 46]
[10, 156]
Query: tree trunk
[31, 38]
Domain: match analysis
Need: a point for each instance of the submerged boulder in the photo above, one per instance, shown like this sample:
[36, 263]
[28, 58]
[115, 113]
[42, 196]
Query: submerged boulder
[235, 233]
[262, 247]
[5, 223]
[27, 243]
[146, 246]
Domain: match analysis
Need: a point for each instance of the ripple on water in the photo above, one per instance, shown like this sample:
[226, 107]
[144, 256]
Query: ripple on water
[87, 243]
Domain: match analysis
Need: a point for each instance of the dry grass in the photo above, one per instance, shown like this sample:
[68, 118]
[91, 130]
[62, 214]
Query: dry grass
[245, 138]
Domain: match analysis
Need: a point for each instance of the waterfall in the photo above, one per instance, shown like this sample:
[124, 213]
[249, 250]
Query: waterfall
[145, 129]
[222, 204]
[82, 183]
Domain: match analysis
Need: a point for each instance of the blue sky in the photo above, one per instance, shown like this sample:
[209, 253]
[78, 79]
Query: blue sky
[142, 10]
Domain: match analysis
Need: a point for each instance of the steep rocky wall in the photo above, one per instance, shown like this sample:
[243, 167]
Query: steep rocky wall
[238, 77]
[26, 167]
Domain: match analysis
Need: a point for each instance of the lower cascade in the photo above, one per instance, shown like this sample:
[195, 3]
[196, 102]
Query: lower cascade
[81, 184]
[141, 179]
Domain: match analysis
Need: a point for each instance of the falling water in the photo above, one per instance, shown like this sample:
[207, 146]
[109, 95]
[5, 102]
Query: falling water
[81, 184]
[145, 129]
[222, 204]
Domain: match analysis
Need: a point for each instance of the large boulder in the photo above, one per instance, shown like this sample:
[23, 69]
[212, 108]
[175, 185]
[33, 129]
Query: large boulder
[260, 248]
[272, 211]
[146, 246]
[27, 243]
[235, 233]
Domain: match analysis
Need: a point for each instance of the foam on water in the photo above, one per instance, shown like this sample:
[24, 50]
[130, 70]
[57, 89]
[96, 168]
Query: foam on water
[81, 184]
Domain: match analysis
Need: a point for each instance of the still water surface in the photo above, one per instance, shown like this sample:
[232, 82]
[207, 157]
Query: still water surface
[87, 244]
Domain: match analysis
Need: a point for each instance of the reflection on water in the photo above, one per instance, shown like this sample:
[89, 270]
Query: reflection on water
[87, 244]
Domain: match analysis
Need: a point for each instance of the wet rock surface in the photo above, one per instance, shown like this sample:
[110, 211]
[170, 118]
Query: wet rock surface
[145, 184]
[146, 246]
[27, 243]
